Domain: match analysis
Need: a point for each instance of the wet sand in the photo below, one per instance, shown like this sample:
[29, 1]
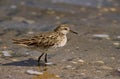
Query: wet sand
[92, 54]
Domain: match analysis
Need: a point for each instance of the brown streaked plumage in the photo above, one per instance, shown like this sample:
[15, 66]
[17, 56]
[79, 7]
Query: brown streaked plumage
[46, 40]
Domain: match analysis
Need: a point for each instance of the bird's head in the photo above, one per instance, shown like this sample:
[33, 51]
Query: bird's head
[64, 29]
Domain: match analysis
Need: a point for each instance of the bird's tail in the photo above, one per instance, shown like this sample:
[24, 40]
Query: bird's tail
[23, 42]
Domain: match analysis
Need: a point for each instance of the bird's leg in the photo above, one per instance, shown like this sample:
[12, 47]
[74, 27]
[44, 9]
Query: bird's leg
[46, 58]
[40, 57]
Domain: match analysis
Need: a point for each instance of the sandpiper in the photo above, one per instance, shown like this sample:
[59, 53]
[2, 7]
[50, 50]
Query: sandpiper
[45, 40]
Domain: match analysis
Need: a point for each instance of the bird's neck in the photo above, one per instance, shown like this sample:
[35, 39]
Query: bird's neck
[60, 33]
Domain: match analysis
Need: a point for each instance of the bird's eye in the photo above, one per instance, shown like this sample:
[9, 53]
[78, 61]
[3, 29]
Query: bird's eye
[65, 28]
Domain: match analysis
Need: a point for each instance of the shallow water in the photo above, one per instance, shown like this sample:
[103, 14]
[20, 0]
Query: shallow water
[92, 54]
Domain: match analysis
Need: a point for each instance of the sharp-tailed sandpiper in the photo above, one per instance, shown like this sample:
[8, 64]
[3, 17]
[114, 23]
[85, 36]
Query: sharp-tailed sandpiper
[45, 40]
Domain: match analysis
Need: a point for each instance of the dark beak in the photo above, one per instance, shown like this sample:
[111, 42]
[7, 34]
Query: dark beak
[73, 32]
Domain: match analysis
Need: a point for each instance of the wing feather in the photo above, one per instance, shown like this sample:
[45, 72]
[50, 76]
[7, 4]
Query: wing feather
[40, 40]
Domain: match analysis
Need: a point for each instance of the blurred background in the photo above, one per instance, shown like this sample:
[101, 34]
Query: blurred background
[92, 54]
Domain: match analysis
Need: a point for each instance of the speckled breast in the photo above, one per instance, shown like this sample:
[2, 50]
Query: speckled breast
[62, 41]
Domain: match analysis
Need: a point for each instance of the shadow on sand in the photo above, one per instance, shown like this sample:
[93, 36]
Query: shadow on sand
[29, 62]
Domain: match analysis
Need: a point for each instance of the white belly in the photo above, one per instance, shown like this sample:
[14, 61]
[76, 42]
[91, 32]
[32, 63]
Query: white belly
[61, 43]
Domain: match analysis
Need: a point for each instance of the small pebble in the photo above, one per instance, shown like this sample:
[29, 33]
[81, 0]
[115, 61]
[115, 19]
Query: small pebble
[69, 66]
[17, 18]
[74, 62]
[99, 62]
[106, 67]
[57, 76]
[73, 68]
[68, 50]
[72, 52]
[22, 19]
[98, 71]
[64, 60]
[13, 6]
[82, 74]
[22, 3]
[83, 9]
[32, 72]
[6, 53]
[113, 9]
[118, 36]
[8, 76]
[29, 21]
[116, 44]
[104, 9]
[113, 58]
[49, 63]
[57, 17]
[118, 69]
[30, 32]
[34, 13]
[4, 47]
[81, 61]
[50, 12]
[14, 59]
[77, 48]
[101, 35]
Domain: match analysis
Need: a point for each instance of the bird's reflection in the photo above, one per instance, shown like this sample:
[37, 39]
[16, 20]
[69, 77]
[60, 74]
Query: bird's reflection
[46, 74]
